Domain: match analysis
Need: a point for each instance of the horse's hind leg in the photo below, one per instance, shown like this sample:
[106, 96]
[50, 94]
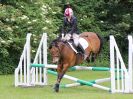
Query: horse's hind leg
[88, 59]
[91, 57]
[94, 56]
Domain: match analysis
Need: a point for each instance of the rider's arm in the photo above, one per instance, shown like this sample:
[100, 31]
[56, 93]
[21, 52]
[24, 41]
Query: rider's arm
[74, 26]
[63, 27]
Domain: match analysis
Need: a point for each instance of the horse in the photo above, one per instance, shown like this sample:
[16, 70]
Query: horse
[65, 57]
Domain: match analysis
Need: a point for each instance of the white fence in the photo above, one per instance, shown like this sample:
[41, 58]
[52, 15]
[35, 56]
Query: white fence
[119, 70]
[25, 75]
[22, 72]
[39, 75]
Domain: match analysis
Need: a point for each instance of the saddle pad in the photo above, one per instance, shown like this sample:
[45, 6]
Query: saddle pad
[83, 43]
[72, 47]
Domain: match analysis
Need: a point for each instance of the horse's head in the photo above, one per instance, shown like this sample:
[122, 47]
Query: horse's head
[54, 49]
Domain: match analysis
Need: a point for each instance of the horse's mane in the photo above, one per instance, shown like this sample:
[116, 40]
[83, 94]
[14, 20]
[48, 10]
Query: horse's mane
[54, 42]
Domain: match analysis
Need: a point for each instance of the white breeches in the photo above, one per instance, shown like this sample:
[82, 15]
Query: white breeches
[77, 40]
[74, 36]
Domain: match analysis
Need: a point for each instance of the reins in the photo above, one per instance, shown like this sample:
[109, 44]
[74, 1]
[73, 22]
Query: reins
[58, 47]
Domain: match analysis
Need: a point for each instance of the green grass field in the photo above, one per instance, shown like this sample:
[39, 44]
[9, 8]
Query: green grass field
[8, 91]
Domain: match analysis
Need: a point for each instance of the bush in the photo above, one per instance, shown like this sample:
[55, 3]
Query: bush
[19, 17]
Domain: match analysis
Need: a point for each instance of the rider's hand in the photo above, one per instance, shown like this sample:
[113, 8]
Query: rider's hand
[62, 36]
[71, 37]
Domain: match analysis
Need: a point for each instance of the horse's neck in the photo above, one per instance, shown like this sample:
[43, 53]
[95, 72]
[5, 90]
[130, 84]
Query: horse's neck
[61, 46]
[68, 53]
[65, 50]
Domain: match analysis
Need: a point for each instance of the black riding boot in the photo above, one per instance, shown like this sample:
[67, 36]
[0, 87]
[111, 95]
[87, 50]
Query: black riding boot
[81, 49]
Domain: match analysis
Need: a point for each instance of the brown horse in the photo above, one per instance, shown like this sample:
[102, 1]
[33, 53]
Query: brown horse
[63, 54]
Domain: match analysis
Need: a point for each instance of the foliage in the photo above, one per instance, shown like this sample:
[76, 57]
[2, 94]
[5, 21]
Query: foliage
[18, 17]
[16, 20]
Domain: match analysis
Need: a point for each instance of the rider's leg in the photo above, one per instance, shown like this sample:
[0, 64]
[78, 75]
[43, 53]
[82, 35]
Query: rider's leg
[77, 44]
[83, 51]
[81, 48]
[76, 39]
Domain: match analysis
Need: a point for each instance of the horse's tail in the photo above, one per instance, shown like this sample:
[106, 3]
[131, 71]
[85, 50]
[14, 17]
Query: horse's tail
[101, 43]
[106, 38]
[102, 40]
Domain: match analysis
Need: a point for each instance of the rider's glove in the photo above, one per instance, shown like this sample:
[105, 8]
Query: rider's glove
[62, 35]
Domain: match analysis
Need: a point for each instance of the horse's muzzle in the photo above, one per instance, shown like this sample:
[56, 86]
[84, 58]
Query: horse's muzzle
[55, 60]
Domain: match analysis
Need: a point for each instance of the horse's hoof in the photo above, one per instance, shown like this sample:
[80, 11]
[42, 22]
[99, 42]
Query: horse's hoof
[56, 88]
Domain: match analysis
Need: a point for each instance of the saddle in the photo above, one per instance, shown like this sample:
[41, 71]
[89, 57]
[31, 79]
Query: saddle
[72, 45]
[79, 49]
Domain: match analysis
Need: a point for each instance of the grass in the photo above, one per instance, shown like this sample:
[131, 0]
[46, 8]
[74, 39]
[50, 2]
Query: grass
[8, 91]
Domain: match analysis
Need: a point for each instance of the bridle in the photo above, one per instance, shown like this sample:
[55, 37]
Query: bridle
[58, 47]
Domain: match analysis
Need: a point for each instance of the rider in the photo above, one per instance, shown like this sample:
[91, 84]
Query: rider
[70, 29]
[70, 24]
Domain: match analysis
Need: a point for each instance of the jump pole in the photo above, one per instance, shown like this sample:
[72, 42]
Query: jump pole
[73, 68]
[97, 81]
[80, 81]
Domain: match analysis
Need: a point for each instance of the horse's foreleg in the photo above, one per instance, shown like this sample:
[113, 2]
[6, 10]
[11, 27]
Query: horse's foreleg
[61, 72]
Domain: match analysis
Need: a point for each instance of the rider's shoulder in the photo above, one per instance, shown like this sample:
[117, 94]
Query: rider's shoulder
[74, 18]
[64, 18]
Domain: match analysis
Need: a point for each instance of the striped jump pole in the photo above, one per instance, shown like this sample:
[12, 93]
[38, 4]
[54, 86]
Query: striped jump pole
[73, 68]
[97, 81]
[44, 66]
[90, 68]
[80, 81]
